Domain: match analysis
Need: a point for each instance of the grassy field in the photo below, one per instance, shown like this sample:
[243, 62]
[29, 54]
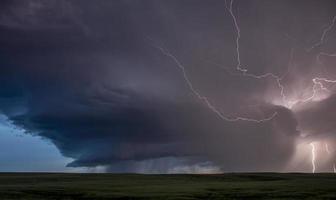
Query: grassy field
[135, 186]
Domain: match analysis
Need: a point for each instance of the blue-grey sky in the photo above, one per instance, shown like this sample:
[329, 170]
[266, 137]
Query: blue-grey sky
[24, 152]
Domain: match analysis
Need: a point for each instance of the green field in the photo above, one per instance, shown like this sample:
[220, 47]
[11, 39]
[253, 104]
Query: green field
[135, 186]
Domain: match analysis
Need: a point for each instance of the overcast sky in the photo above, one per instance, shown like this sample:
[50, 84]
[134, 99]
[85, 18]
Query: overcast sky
[168, 86]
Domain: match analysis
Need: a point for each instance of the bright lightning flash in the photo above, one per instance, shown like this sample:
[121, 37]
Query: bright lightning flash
[313, 157]
[317, 82]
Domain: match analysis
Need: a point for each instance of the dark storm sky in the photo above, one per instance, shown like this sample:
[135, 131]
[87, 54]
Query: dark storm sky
[91, 78]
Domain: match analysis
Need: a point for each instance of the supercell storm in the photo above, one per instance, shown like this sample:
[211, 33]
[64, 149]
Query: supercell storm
[174, 86]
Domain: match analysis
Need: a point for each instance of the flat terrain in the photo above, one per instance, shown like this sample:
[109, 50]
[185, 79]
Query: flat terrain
[135, 186]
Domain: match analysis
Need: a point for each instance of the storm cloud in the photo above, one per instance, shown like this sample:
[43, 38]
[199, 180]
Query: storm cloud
[88, 77]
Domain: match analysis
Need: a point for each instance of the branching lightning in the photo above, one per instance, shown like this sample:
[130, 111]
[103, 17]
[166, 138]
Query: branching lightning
[244, 71]
[324, 34]
[317, 86]
[317, 82]
[204, 98]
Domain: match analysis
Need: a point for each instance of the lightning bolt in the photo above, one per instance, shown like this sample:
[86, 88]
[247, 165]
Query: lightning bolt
[324, 34]
[327, 148]
[317, 86]
[322, 41]
[318, 57]
[244, 71]
[204, 98]
[235, 22]
[317, 82]
[329, 152]
[313, 157]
